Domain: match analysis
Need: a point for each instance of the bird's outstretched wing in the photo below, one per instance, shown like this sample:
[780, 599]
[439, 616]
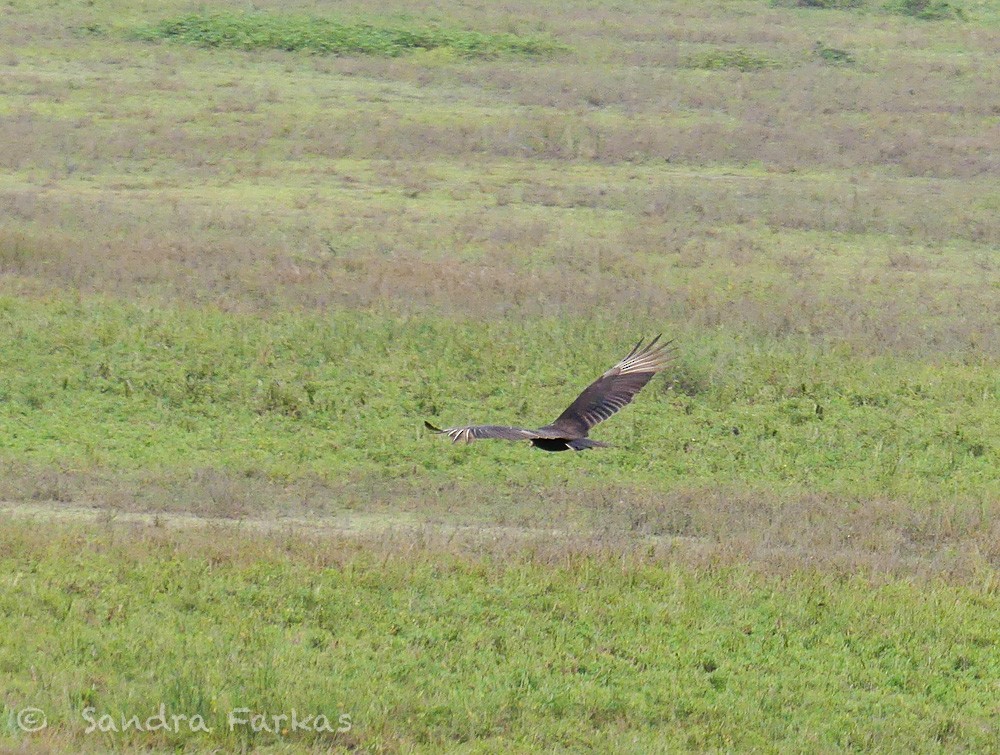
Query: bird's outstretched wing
[477, 432]
[614, 389]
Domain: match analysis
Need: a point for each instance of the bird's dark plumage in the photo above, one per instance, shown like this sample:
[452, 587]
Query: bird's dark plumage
[601, 399]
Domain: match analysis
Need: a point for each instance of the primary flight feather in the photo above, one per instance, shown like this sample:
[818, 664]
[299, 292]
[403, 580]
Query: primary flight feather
[601, 399]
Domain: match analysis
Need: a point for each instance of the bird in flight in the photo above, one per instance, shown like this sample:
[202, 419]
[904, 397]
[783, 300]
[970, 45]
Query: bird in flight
[602, 398]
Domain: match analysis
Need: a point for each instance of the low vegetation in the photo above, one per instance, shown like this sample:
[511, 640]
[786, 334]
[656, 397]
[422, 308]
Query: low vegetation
[833, 55]
[928, 10]
[272, 31]
[741, 59]
[426, 646]
[925, 10]
[294, 396]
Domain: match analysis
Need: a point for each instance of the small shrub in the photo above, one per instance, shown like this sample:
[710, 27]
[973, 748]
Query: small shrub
[832, 55]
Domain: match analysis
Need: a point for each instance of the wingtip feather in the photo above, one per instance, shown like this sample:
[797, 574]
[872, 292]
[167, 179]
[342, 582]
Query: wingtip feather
[652, 358]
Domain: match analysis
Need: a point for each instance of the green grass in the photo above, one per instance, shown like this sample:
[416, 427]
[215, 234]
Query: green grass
[740, 59]
[102, 385]
[323, 36]
[927, 10]
[433, 650]
[832, 55]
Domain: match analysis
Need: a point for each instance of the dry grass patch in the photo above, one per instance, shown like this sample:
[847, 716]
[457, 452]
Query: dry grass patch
[774, 533]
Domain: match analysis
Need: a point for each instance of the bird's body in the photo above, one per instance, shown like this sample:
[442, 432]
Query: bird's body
[601, 399]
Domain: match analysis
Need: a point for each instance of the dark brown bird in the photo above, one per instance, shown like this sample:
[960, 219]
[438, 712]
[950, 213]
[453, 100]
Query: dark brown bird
[602, 398]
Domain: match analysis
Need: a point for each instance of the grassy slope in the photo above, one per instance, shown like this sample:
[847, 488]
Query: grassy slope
[235, 284]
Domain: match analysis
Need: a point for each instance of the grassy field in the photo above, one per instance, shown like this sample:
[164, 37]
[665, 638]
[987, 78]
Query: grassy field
[426, 648]
[244, 255]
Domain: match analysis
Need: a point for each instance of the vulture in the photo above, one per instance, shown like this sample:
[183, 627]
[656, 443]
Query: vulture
[602, 398]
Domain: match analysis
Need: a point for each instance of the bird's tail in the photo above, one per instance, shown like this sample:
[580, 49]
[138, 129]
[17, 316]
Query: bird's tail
[431, 427]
